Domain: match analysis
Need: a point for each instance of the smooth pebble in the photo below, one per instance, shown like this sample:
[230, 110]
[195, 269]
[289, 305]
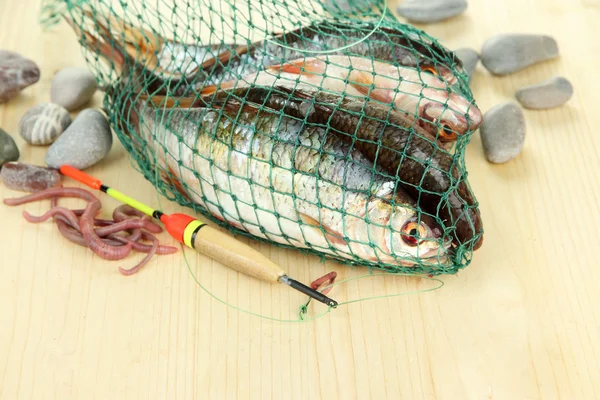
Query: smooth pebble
[16, 73]
[551, 93]
[469, 58]
[44, 123]
[503, 132]
[426, 11]
[507, 53]
[72, 88]
[8, 148]
[86, 142]
[29, 178]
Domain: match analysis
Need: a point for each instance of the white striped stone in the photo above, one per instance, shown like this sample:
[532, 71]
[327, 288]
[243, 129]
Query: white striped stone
[44, 123]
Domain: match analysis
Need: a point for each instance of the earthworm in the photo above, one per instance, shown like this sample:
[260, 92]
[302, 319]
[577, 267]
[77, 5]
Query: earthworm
[73, 234]
[114, 228]
[144, 261]
[122, 213]
[65, 212]
[100, 235]
[96, 244]
[324, 281]
[145, 248]
[97, 221]
[126, 225]
[86, 222]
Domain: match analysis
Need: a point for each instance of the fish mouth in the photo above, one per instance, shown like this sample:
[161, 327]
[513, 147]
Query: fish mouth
[461, 122]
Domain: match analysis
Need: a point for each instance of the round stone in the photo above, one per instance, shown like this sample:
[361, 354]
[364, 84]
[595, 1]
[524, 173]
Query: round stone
[551, 93]
[16, 73]
[470, 59]
[503, 132]
[507, 53]
[425, 11]
[8, 148]
[86, 142]
[44, 123]
[29, 178]
[72, 88]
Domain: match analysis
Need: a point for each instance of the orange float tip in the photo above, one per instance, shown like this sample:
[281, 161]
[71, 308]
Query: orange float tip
[81, 176]
[175, 224]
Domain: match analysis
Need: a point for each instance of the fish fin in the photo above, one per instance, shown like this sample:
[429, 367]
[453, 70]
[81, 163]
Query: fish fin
[211, 89]
[312, 67]
[172, 102]
[364, 83]
[331, 235]
[177, 183]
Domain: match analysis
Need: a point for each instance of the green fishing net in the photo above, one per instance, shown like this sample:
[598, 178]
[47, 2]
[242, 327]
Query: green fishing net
[324, 126]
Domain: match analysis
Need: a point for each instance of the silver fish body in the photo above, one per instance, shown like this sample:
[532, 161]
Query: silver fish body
[284, 181]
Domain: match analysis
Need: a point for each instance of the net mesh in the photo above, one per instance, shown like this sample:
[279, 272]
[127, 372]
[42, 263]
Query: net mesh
[327, 127]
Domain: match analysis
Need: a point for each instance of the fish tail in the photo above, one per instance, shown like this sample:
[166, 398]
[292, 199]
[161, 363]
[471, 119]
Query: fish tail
[98, 45]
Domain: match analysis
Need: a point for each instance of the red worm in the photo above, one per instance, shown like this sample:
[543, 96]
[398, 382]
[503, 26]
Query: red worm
[86, 222]
[96, 244]
[324, 281]
[145, 248]
[72, 233]
[122, 213]
[97, 221]
[65, 212]
[144, 261]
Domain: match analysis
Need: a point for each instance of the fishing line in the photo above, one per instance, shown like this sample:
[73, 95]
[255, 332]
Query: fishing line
[302, 308]
[383, 13]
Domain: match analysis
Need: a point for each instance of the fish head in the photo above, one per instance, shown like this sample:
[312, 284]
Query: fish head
[401, 233]
[417, 235]
[448, 115]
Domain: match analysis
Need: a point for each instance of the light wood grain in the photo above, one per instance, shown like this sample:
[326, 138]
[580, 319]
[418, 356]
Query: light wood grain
[521, 322]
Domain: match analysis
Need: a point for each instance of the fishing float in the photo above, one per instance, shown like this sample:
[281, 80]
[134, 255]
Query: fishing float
[206, 240]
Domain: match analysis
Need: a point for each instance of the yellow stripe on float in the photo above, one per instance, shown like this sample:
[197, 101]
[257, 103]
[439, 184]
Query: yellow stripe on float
[189, 231]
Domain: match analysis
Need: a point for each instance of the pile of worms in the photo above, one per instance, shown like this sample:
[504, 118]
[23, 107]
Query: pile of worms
[110, 239]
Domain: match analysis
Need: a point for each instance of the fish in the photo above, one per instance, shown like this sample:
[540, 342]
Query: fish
[390, 140]
[282, 180]
[444, 112]
[383, 44]
[437, 109]
[181, 68]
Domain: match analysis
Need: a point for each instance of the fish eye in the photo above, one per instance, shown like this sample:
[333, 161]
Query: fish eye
[412, 232]
[430, 69]
[446, 133]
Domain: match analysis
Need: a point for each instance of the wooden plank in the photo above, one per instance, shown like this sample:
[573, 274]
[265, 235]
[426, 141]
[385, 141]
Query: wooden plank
[521, 322]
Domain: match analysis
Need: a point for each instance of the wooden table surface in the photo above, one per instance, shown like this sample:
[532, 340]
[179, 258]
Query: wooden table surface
[521, 322]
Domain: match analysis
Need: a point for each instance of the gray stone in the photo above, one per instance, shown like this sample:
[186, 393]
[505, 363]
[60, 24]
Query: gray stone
[470, 59]
[86, 142]
[29, 178]
[507, 53]
[503, 132]
[425, 11]
[551, 93]
[44, 123]
[8, 148]
[16, 73]
[72, 88]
